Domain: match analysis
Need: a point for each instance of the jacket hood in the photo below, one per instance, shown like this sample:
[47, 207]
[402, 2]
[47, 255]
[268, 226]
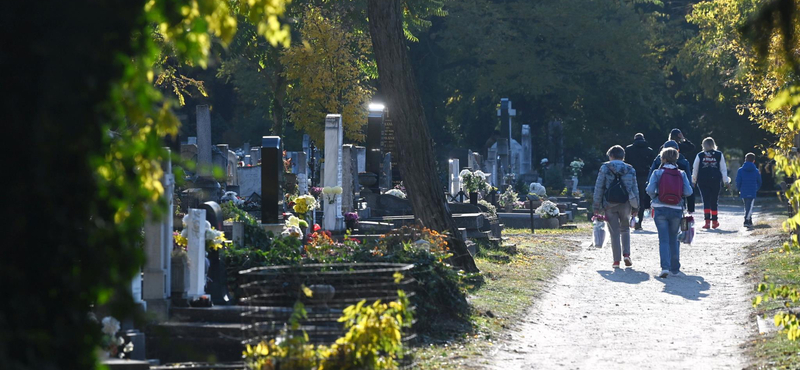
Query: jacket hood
[749, 167]
[641, 143]
[619, 167]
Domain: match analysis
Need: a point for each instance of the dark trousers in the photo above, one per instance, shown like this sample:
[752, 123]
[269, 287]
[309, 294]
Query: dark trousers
[644, 199]
[690, 200]
[748, 208]
[710, 193]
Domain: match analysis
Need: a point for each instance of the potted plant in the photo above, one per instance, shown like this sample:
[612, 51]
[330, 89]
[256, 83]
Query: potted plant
[548, 212]
[351, 220]
[508, 199]
[473, 182]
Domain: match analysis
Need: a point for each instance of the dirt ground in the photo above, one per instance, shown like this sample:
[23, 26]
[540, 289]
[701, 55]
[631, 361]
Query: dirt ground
[596, 317]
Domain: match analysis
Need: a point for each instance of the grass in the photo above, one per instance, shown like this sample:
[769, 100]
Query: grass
[513, 277]
[769, 263]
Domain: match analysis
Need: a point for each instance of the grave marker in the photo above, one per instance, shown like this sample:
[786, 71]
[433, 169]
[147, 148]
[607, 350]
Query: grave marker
[271, 180]
[197, 252]
[527, 151]
[203, 140]
[332, 216]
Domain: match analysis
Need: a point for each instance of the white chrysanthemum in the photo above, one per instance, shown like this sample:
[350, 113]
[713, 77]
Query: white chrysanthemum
[396, 192]
[128, 347]
[537, 188]
[110, 325]
[464, 173]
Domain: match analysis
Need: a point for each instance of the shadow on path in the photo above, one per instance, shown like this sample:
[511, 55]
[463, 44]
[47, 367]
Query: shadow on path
[628, 276]
[644, 232]
[687, 286]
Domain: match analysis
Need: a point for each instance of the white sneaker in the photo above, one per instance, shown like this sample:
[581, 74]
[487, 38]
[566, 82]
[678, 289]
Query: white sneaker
[677, 273]
[664, 274]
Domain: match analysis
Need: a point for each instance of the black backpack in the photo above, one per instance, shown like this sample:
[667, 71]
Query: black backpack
[616, 192]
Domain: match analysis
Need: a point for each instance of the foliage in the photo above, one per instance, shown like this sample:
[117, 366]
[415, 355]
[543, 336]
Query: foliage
[491, 209]
[554, 178]
[373, 340]
[329, 70]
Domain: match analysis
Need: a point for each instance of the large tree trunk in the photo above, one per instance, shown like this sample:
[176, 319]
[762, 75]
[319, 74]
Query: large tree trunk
[415, 147]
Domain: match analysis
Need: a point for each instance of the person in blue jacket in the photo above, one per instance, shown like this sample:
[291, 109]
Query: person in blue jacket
[748, 181]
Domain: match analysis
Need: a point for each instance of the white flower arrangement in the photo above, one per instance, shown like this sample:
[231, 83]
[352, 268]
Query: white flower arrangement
[231, 196]
[330, 193]
[292, 231]
[111, 343]
[538, 189]
[214, 238]
[396, 192]
[294, 221]
[576, 167]
[110, 325]
[548, 209]
[473, 181]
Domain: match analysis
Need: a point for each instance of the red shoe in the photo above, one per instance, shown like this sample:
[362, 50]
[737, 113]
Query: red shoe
[615, 265]
[715, 224]
[707, 225]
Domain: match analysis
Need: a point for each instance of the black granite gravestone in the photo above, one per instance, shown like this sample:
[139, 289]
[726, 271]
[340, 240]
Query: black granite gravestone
[374, 133]
[271, 180]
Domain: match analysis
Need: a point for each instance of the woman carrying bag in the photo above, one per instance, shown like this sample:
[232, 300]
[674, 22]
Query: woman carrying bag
[668, 186]
[709, 173]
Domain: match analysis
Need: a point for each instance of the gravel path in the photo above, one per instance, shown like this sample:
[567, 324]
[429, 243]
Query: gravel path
[595, 317]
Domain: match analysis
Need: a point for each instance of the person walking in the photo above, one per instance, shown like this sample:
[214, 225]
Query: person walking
[748, 181]
[668, 187]
[616, 195]
[688, 150]
[683, 164]
[709, 173]
[640, 155]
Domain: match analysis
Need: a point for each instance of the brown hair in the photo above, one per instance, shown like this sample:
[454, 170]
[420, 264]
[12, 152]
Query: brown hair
[750, 157]
[709, 144]
[669, 155]
[616, 152]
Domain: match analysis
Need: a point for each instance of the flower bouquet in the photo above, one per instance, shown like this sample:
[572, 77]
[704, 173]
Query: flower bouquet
[330, 193]
[351, 219]
[547, 210]
[304, 204]
[111, 343]
[214, 238]
[537, 189]
[599, 232]
[231, 196]
[508, 199]
[576, 166]
[473, 182]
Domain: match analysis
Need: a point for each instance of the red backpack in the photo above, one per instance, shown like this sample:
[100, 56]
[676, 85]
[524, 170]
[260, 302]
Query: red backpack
[670, 187]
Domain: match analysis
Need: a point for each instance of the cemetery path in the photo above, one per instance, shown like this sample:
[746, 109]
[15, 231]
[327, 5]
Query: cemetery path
[595, 317]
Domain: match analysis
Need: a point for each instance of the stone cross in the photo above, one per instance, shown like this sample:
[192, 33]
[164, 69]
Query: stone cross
[197, 252]
[271, 180]
[455, 181]
[332, 216]
[158, 244]
[527, 151]
[203, 141]
[503, 144]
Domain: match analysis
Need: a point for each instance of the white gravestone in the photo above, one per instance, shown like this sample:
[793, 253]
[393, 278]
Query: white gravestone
[455, 181]
[491, 165]
[197, 252]
[332, 216]
[158, 245]
[527, 150]
[361, 159]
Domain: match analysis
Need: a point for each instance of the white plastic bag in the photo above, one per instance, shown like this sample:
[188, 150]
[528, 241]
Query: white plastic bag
[599, 233]
[634, 220]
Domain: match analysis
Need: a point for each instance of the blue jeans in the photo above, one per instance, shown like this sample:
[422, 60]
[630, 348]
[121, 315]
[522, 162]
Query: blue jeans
[668, 223]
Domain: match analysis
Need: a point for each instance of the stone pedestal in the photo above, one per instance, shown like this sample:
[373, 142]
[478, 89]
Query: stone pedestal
[332, 216]
[197, 252]
[455, 181]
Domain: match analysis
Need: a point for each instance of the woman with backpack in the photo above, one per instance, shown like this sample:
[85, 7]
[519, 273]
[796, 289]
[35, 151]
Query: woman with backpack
[709, 173]
[668, 186]
[617, 196]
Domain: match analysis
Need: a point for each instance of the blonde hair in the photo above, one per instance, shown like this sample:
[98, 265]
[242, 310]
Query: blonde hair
[669, 155]
[709, 144]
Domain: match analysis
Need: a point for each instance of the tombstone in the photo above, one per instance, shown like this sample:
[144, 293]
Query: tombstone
[191, 140]
[189, 152]
[526, 162]
[503, 150]
[248, 160]
[204, 160]
[474, 161]
[246, 148]
[455, 181]
[271, 180]
[233, 171]
[386, 172]
[219, 158]
[217, 277]
[158, 249]
[349, 182]
[302, 173]
[491, 165]
[197, 252]
[462, 155]
[361, 159]
[255, 155]
[374, 154]
[332, 217]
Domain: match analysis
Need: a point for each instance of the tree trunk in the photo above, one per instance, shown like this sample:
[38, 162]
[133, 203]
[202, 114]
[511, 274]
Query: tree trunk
[415, 150]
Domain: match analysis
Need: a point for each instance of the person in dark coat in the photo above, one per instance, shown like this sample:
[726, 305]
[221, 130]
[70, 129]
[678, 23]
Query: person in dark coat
[640, 156]
[748, 181]
[687, 150]
[683, 163]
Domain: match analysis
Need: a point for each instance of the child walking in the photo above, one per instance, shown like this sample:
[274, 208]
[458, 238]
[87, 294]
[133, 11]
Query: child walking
[748, 181]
